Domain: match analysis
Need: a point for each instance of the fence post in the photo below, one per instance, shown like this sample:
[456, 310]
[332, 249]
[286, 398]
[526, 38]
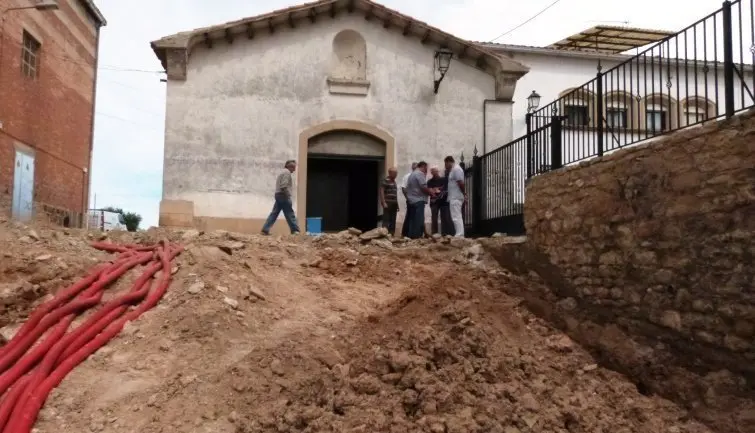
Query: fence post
[556, 129]
[599, 108]
[728, 60]
[476, 198]
[530, 162]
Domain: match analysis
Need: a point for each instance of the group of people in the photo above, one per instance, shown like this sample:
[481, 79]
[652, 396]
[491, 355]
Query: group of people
[445, 194]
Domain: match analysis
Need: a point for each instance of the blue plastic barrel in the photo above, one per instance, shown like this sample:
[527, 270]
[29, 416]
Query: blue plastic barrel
[314, 226]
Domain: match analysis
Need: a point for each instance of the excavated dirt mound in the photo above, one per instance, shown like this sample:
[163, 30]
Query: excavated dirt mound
[334, 334]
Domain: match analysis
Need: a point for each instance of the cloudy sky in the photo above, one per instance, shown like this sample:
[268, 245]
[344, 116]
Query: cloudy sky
[128, 150]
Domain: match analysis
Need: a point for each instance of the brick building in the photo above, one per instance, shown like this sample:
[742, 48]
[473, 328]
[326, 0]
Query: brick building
[48, 76]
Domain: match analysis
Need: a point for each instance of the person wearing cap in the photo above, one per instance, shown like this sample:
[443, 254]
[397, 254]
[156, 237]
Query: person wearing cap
[283, 186]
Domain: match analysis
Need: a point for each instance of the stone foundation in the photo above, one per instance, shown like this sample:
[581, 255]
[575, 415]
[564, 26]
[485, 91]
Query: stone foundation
[646, 256]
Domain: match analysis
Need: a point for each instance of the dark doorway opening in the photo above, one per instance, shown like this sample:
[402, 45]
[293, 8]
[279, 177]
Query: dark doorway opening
[343, 191]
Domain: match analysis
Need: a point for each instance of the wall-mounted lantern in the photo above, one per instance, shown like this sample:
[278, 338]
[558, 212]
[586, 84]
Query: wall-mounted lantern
[442, 62]
[533, 101]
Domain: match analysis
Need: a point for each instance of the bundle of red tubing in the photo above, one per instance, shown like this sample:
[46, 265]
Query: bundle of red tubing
[45, 350]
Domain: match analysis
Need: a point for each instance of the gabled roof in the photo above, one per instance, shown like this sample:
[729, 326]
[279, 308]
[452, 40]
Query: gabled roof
[292, 16]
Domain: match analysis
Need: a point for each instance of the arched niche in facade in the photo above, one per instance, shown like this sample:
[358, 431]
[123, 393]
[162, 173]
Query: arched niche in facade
[349, 58]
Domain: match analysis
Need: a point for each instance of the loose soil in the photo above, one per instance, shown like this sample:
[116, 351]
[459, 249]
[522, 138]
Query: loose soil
[332, 334]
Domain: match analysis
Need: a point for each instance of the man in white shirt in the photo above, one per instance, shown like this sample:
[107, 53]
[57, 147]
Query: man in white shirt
[404, 182]
[456, 194]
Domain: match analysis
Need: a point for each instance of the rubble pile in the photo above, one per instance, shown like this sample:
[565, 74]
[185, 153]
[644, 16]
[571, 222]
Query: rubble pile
[349, 332]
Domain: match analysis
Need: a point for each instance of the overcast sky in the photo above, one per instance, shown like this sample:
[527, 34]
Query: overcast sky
[128, 149]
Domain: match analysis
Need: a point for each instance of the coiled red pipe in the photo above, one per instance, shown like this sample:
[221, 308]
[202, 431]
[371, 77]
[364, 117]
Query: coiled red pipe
[29, 372]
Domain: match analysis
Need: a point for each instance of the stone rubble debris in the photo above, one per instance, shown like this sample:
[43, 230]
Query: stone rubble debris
[360, 332]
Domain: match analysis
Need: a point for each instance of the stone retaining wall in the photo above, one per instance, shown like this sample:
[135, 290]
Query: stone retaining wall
[647, 256]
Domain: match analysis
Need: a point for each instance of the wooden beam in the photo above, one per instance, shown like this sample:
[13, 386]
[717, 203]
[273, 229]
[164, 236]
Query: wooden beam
[249, 31]
[350, 6]
[407, 27]
[387, 21]
[368, 14]
[312, 15]
[480, 62]
[291, 20]
[333, 10]
[270, 25]
[228, 36]
[207, 40]
[425, 37]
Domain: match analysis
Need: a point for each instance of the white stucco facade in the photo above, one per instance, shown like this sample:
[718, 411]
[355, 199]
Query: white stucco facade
[242, 107]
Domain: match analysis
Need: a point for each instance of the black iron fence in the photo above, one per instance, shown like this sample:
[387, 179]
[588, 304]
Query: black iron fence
[702, 73]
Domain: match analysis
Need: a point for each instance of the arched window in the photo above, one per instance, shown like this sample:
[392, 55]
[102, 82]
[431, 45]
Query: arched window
[697, 109]
[577, 105]
[658, 109]
[621, 110]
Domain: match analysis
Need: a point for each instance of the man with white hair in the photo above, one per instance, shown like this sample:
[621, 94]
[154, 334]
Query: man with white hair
[439, 204]
[457, 194]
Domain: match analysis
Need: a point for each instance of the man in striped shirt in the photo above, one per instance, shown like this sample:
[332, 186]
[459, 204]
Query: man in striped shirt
[283, 185]
[389, 200]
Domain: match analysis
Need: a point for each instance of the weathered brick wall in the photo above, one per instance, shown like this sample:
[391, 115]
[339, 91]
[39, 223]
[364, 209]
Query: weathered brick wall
[648, 257]
[51, 115]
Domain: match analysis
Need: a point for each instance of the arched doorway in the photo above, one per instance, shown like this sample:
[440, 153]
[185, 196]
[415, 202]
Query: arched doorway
[340, 167]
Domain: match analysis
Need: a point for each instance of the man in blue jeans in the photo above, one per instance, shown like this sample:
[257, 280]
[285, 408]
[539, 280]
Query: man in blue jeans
[416, 194]
[283, 185]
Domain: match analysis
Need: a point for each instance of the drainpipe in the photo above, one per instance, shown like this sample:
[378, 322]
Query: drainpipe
[88, 173]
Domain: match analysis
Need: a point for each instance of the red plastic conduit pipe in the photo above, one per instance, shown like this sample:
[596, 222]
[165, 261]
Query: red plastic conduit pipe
[28, 376]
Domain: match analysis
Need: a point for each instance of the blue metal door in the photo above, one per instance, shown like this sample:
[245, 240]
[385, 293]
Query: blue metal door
[23, 186]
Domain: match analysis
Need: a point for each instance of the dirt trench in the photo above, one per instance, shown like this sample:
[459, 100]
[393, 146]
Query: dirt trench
[334, 334]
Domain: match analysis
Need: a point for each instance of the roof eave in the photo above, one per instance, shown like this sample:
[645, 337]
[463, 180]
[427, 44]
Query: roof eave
[96, 12]
[554, 52]
[186, 40]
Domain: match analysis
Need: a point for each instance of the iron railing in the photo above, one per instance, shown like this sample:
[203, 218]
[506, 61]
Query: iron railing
[702, 73]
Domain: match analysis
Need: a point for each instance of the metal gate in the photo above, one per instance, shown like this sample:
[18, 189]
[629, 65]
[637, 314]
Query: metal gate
[496, 181]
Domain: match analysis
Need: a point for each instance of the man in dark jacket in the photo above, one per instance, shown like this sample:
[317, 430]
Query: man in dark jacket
[439, 204]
